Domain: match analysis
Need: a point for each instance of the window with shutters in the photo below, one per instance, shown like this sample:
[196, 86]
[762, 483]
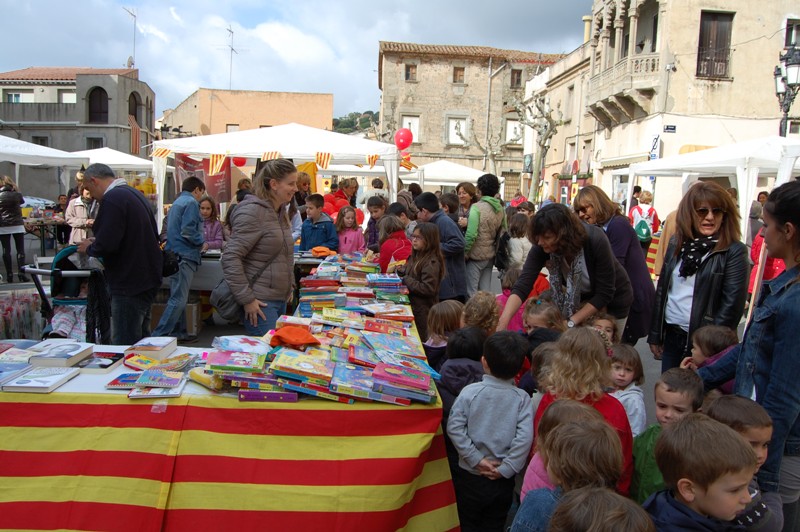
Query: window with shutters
[714, 51]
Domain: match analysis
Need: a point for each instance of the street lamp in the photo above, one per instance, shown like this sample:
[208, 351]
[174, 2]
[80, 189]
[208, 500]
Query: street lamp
[787, 83]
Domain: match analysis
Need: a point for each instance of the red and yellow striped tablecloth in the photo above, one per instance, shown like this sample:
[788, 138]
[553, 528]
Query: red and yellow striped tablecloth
[97, 461]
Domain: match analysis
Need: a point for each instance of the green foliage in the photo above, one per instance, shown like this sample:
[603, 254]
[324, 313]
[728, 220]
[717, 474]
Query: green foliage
[355, 121]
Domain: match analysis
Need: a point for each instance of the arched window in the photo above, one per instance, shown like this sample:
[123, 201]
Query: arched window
[134, 105]
[98, 106]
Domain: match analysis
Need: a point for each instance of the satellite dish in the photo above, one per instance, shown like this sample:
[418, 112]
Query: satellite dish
[130, 62]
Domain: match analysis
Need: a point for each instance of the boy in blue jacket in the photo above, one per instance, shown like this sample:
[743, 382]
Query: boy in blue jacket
[318, 229]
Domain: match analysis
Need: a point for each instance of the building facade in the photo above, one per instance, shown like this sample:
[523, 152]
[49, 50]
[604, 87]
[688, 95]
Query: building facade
[211, 111]
[458, 103]
[73, 109]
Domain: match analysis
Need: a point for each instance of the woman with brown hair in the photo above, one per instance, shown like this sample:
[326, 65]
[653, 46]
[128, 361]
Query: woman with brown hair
[303, 191]
[467, 195]
[594, 207]
[704, 277]
[258, 259]
[584, 275]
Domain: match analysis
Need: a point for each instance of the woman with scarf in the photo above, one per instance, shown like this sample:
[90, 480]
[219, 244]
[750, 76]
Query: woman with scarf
[584, 275]
[704, 277]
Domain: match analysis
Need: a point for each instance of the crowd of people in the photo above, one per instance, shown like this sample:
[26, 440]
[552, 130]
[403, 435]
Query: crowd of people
[541, 387]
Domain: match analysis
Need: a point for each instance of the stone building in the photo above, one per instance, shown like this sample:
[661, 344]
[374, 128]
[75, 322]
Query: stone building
[445, 94]
[71, 109]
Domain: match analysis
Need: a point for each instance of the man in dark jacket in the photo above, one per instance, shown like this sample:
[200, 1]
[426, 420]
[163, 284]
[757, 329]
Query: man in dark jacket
[126, 237]
[454, 284]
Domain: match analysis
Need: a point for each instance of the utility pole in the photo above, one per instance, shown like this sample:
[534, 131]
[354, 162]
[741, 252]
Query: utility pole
[132, 13]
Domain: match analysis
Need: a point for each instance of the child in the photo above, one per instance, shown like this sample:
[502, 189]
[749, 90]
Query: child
[576, 454]
[563, 411]
[541, 357]
[678, 393]
[481, 311]
[518, 243]
[212, 228]
[399, 210]
[580, 372]
[351, 239]
[376, 206]
[707, 468]
[627, 374]
[423, 273]
[449, 203]
[506, 284]
[444, 318]
[490, 426]
[606, 323]
[752, 422]
[542, 314]
[599, 510]
[395, 246]
[709, 344]
[318, 229]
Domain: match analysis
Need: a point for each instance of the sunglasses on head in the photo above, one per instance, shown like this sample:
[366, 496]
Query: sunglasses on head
[702, 212]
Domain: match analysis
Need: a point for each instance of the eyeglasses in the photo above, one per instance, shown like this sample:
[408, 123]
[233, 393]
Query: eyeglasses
[702, 212]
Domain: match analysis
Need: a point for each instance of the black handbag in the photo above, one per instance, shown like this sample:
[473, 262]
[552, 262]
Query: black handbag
[170, 262]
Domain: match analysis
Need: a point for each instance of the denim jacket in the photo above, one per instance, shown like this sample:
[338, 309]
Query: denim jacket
[768, 362]
[185, 228]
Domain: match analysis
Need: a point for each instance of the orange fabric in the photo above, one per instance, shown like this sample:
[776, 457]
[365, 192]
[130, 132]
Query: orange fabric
[321, 251]
[292, 335]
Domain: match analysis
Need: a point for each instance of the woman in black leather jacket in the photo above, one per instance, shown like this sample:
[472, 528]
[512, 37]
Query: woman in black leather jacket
[11, 224]
[705, 273]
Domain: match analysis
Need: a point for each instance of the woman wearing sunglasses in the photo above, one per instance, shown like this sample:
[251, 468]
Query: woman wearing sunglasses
[704, 277]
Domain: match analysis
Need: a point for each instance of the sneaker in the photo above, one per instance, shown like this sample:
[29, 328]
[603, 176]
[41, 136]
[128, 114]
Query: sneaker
[191, 339]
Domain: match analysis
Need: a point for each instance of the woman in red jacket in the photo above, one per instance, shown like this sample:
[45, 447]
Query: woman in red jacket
[395, 245]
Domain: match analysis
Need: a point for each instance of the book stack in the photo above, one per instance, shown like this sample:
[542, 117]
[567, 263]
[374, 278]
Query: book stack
[306, 374]
[388, 283]
[13, 363]
[356, 381]
[403, 345]
[416, 364]
[241, 370]
[385, 326]
[40, 379]
[339, 318]
[389, 311]
[404, 382]
[391, 297]
[157, 347]
[361, 269]
[59, 353]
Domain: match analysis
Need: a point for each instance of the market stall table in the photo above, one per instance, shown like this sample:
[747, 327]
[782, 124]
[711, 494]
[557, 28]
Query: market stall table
[42, 228]
[80, 460]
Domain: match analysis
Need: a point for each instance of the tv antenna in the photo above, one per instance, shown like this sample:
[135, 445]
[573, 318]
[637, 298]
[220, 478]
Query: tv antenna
[132, 59]
[233, 51]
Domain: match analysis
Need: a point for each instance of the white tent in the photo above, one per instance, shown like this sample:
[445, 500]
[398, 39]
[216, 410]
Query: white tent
[742, 162]
[292, 141]
[117, 160]
[20, 153]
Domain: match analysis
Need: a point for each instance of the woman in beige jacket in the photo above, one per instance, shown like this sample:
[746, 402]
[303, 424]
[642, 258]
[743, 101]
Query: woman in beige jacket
[258, 260]
[79, 215]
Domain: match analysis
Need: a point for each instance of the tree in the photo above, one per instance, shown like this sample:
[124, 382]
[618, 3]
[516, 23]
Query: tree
[538, 116]
[354, 121]
[494, 143]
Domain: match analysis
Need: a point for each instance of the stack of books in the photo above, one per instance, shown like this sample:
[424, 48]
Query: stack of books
[339, 318]
[13, 363]
[361, 269]
[157, 347]
[356, 381]
[156, 383]
[389, 311]
[59, 353]
[389, 283]
[404, 382]
[306, 374]
[403, 345]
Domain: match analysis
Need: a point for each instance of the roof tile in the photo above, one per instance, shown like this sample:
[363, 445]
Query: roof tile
[517, 56]
[63, 73]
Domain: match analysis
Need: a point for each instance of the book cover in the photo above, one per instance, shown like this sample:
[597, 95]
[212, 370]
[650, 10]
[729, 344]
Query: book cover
[264, 386]
[304, 365]
[41, 379]
[175, 362]
[158, 347]
[396, 359]
[4, 347]
[405, 345]
[270, 397]
[139, 362]
[384, 326]
[151, 378]
[157, 393]
[100, 362]
[363, 356]
[13, 362]
[59, 352]
[298, 387]
[339, 354]
[241, 344]
[124, 381]
[293, 320]
[356, 381]
[236, 361]
[402, 375]
[401, 391]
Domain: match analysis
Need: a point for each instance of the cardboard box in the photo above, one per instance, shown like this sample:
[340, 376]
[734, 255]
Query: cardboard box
[193, 321]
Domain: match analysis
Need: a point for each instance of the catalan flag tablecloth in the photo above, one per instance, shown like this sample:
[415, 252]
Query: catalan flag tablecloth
[97, 461]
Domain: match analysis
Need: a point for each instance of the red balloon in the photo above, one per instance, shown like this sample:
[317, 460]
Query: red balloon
[339, 203]
[329, 198]
[359, 216]
[403, 138]
[239, 161]
[328, 208]
[334, 216]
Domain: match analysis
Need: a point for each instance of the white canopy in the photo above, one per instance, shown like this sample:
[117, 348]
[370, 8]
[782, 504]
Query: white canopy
[745, 161]
[292, 141]
[117, 160]
[20, 152]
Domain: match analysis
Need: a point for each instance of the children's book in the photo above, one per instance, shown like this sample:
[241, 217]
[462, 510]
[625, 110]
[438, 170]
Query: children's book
[396, 359]
[236, 361]
[384, 326]
[41, 379]
[363, 356]
[124, 381]
[139, 362]
[177, 362]
[151, 378]
[59, 352]
[267, 387]
[339, 354]
[349, 379]
[419, 396]
[157, 393]
[405, 345]
[304, 366]
[402, 375]
[297, 321]
[100, 362]
[158, 347]
[241, 344]
[267, 396]
[13, 363]
[301, 388]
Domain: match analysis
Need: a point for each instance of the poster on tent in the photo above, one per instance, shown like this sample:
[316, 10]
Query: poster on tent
[217, 185]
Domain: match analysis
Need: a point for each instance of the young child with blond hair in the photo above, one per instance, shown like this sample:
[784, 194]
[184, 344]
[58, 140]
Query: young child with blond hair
[627, 375]
[481, 311]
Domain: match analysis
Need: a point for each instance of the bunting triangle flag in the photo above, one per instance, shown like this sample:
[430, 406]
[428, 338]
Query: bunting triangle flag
[161, 153]
[408, 165]
[215, 164]
[270, 155]
[323, 159]
[372, 159]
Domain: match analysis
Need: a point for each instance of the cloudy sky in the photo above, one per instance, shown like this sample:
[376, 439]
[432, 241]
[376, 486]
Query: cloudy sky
[283, 45]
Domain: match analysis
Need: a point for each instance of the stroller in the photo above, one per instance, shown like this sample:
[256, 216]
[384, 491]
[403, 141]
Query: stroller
[78, 306]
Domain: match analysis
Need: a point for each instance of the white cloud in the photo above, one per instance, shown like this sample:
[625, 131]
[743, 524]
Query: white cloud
[293, 45]
[149, 29]
[175, 16]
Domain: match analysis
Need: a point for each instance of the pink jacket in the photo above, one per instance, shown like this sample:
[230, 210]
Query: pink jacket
[516, 324]
[536, 477]
[351, 240]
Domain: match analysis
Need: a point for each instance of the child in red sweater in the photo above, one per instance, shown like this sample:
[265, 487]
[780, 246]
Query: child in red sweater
[395, 245]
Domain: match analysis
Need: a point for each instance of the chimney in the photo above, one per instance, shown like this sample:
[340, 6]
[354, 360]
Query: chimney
[587, 28]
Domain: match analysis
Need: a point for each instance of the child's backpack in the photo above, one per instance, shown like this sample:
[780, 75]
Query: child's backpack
[643, 225]
[501, 256]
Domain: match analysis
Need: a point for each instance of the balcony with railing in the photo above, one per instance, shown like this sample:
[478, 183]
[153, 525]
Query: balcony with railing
[38, 112]
[625, 90]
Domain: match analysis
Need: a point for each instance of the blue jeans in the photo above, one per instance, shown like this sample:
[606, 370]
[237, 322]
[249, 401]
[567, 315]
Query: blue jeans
[272, 311]
[676, 347]
[173, 321]
[130, 317]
